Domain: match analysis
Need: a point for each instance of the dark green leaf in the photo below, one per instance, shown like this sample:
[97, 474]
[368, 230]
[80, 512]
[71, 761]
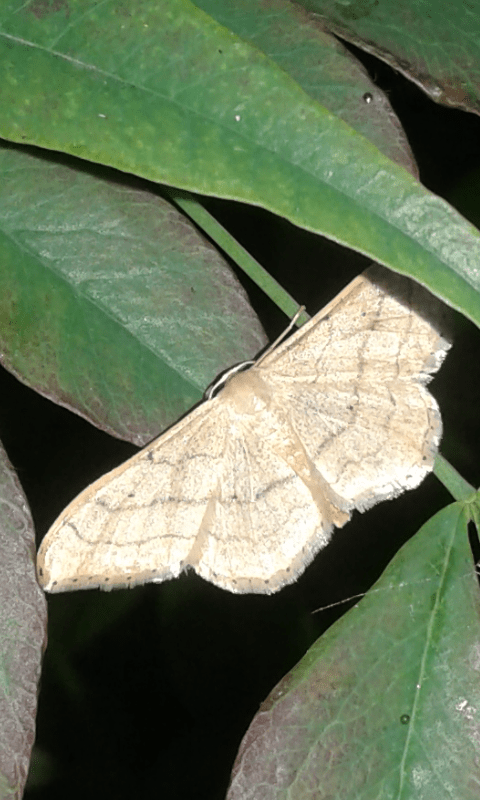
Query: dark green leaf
[23, 622]
[112, 303]
[386, 705]
[168, 94]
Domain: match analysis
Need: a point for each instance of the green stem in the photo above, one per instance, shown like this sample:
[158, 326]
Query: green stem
[458, 487]
[237, 253]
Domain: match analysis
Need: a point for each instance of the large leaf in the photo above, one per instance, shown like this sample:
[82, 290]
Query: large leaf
[169, 94]
[23, 621]
[435, 44]
[107, 297]
[320, 64]
[386, 705]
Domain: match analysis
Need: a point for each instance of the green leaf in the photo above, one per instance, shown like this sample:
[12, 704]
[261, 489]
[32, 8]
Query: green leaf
[169, 94]
[23, 622]
[407, 35]
[386, 705]
[452, 480]
[321, 66]
[107, 298]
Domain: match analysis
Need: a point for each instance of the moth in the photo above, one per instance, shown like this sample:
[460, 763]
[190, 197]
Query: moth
[249, 486]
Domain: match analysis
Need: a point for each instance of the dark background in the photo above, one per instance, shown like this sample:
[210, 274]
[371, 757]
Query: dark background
[149, 692]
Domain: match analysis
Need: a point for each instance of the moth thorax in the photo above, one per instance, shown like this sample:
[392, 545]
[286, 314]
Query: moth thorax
[247, 392]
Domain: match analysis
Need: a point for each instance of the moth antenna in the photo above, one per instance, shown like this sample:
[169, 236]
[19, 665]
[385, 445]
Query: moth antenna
[280, 338]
